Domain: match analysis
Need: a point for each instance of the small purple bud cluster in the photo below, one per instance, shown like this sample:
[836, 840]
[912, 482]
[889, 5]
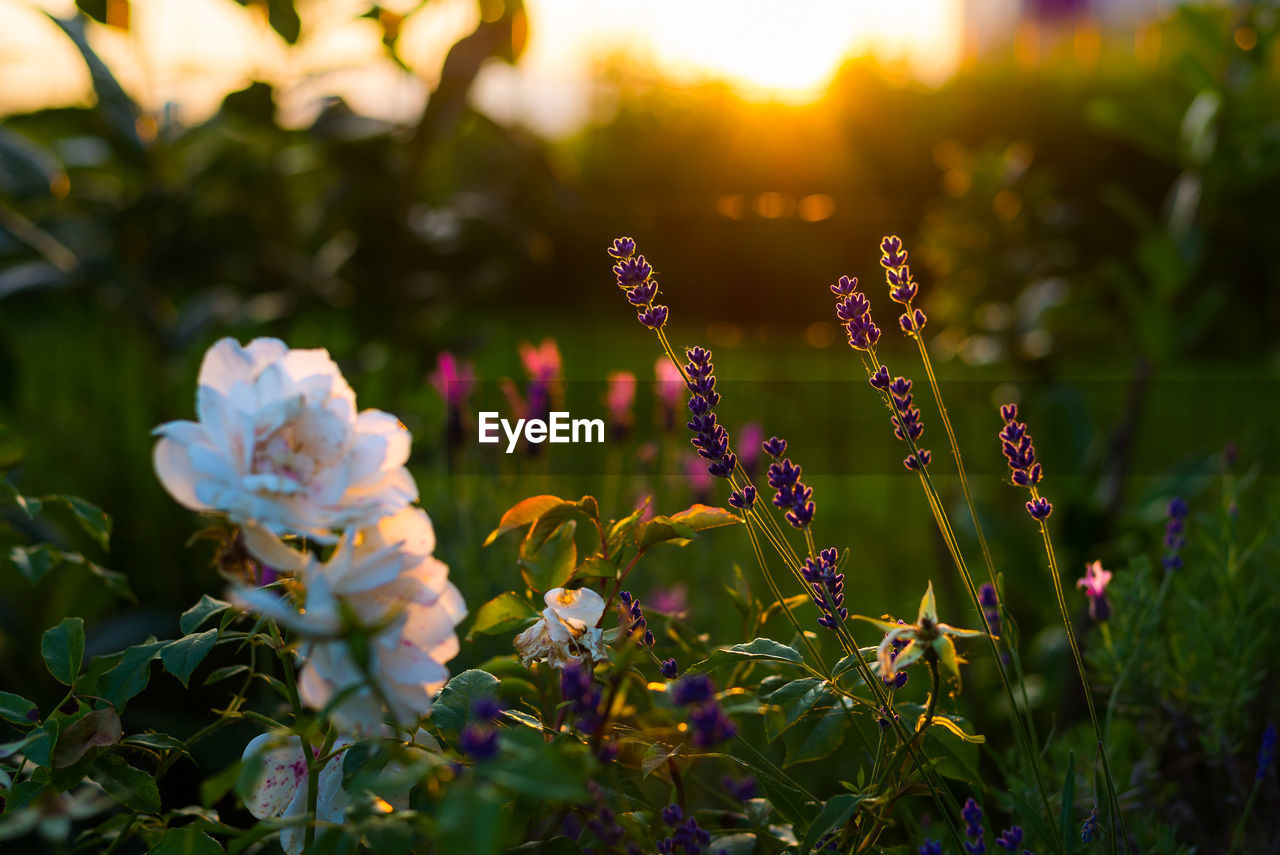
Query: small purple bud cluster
[686, 836]
[1010, 839]
[1266, 752]
[744, 499]
[899, 678]
[827, 588]
[906, 419]
[930, 847]
[1090, 827]
[707, 719]
[604, 823]
[990, 607]
[1025, 470]
[741, 790]
[634, 618]
[972, 815]
[784, 476]
[669, 668]
[854, 310]
[479, 739]
[883, 719]
[635, 277]
[1175, 534]
[710, 437]
[902, 288]
[583, 695]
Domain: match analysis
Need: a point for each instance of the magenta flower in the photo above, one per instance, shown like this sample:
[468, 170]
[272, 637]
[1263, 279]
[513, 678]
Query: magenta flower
[670, 390]
[618, 398]
[541, 363]
[750, 436]
[1095, 581]
[453, 379]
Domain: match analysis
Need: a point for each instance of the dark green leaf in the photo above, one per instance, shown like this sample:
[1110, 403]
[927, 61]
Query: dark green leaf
[452, 710]
[834, 813]
[29, 506]
[552, 565]
[131, 675]
[503, 613]
[17, 709]
[792, 702]
[1069, 805]
[282, 17]
[34, 562]
[187, 841]
[193, 617]
[472, 820]
[595, 567]
[546, 526]
[133, 788]
[117, 108]
[181, 657]
[819, 733]
[91, 517]
[63, 649]
[759, 650]
[224, 673]
[850, 663]
[96, 729]
[156, 741]
[663, 530]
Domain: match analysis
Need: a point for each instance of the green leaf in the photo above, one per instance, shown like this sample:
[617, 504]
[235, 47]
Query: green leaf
[819, 733]
[25, 744]
[157, 742]
[116, 582]
[595, 567]
[703, 517]
[18, 710]
[834, 813]
[523, 513]
[791, 703]
[759, 650]
[452, 710]
[96, 729]
[620, 531]
[663, 530]
[63, 649]
[1069, 805]
[472, 820]
[223, 673]
[92, 518]
[657, 755]
[850, 662]
[283, 18]
[181, 657]
[193, 617]
[29, 506]
[34, 562]
[133, 788]
[187, 841]
[131, 675]
[552, 564]
[503, 613]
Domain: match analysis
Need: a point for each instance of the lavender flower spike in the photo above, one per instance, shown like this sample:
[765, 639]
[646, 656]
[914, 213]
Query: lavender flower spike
[635, 278]
[827, 588]
[854, 311]
[793, 496]
[1024, 470]
[710, 437]
[902, 288]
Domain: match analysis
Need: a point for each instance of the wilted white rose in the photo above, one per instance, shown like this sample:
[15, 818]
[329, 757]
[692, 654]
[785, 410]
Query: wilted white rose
[279, 444]
[383, 598]
[566, 631]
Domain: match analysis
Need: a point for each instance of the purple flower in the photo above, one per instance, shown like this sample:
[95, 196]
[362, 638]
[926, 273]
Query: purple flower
[930, 847]
[583, 695]
[707, 720]
[635, 278]
[827, 588]
[632, 272]
[693, 689]
[1024, 470]
[653, 317]
[774, 447]
[845, 286]
[669, 668]
[749, 437]
[972, 815]
[902, 288]
[623, 247]
[990, 607]
[453, 379]
[1039, 509]
[478, 742]
[1175, 533]
[633, 617]
[1266, 752]
[687, 836]
[1090, 827]
[1010, 838]
[906, 418]
[710, 438]
[792, 495]
[744, 499]
[742, 790]
[854, 311]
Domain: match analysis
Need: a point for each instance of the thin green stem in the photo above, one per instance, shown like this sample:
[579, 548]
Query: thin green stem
[313, 786]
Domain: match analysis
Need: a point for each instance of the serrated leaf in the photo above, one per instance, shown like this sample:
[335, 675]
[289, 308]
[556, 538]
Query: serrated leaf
[131, 675]
[187, 841]
[551, 566]
[133, 788]
[92, 518]
[758, 650]
[34, 562]
[523, 513]
[181, 657]
[703, 517]
[503, 613]
[17, 709]
[663, 530]
[834, 813]
[453, 708]
[63, 649]
[193, 617]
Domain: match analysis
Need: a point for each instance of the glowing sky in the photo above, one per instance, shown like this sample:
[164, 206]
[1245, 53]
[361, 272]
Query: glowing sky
[191, 52]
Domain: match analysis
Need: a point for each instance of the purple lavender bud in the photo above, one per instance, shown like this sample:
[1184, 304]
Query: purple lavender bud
[1010, 838]
[894, 255]
[672, 815]
[486, 708]
[698, 355]
[925, 458]
[844, 286]
[632, 271]
[623, 248]
[930, 847]
[669, 668]
[1266, 752]
[801, 515]
[972, 815]
[852, 307]
[744, 499]
[700, 405]
[774, 447]
[742, 790]
[1009, 412]
[900, 386]
[784, 474]
[643, 294]
[723, 468]
[702, 424]
[710, 725]
[880, 380]
[1090, 827]
[693, 689]
[863, 334]
[478, 742]
[904, 321]
[1039, 509]
[653, 317]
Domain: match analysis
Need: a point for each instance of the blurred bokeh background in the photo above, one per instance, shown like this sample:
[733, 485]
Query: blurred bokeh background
[1088, 189]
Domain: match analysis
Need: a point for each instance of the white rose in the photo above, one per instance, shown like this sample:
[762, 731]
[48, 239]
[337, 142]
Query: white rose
[281, 787]
[567, 630]
[279, 444]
